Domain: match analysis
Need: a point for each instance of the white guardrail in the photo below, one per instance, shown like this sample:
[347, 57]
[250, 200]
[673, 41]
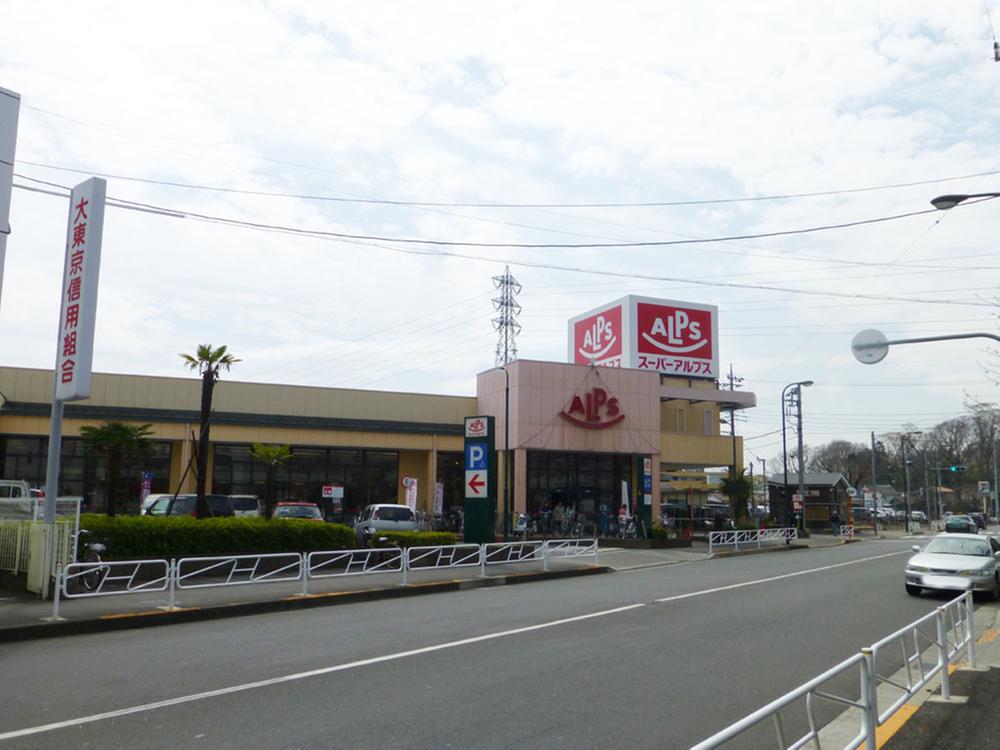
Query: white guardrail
[114, 577]
[928, 647]
[751, 538]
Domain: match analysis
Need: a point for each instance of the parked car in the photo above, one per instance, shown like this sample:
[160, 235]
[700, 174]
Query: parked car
[383, 517]
[150, 499]
[961, 525]
[185, 505]
[245, 505]
[297, 510]
[919, 516]
[955, 562]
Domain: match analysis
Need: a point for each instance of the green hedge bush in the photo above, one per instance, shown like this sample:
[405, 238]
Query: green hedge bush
[417, 538]
[134, 537]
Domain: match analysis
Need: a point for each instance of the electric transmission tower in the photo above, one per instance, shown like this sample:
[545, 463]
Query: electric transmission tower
[506, 323]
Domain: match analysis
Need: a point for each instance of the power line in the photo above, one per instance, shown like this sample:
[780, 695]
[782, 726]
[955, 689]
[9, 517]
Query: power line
[488, 204]
[364, 240]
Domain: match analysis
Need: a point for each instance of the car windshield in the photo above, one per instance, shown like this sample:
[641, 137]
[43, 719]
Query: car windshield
[297, 511]
[159, 507]
[393, 514]
[953, 546]
[243, 503]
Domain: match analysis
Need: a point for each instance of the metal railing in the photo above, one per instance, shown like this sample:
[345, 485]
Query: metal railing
[125, 577]
[943, 635]
[14, 545]
[846, 532]
[750, 538]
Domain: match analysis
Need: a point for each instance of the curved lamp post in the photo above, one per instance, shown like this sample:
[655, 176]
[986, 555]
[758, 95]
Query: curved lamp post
[944, 202]
[784, 445]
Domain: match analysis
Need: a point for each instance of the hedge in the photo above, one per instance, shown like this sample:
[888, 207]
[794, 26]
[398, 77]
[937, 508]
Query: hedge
[417, 538]
[136, 537]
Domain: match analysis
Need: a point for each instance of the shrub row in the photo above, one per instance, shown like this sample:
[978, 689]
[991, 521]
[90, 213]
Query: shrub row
[134, 537]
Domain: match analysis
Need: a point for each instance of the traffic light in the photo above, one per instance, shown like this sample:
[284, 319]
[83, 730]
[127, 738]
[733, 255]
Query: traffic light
[956, 468]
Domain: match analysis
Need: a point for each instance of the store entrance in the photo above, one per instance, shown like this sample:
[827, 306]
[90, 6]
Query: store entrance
[576, 494]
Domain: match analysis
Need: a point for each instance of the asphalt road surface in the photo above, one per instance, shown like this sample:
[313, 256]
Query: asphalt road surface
[652, 658]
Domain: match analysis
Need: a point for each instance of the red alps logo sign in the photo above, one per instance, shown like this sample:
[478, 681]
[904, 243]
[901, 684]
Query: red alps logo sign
[598, 339]
[594, 410]
[674, 339]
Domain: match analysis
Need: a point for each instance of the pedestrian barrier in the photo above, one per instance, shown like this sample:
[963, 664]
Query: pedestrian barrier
[134, 576]
[846, 532]
[750, 537]
[928, 647]
[236, 570]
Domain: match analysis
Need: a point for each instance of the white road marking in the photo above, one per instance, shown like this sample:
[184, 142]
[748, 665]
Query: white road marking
[777, 578]
[29, 731]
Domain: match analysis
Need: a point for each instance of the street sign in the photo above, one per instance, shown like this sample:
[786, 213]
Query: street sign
[851, 492]
[476, 483]
[984, 488]
[475, 457]
[796, 502]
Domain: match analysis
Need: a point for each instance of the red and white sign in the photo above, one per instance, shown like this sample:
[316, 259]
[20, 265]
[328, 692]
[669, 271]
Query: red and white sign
[673, 338]
[476, 483]
[595, 410]
[796, 501]
[81, 270]
[476, 427]
[597, 338]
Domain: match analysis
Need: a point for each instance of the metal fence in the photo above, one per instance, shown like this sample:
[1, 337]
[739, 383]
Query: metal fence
[125, 577]
[928, 646]
[14, 545]
[755, 538]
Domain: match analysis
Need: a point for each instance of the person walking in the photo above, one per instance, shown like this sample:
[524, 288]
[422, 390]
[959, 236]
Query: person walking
[835, 522]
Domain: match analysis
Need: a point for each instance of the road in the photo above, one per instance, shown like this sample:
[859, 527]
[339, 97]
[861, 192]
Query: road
[652, 658]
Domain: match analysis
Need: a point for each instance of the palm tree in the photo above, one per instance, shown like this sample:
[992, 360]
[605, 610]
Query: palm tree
[272, 456]
[116, 441]
[739, 490]
[208, 362]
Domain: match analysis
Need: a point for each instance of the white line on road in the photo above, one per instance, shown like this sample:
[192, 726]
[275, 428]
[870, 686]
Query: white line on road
[28, 731]
[781, 577]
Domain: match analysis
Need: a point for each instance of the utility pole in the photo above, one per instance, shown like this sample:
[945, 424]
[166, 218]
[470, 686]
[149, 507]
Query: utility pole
[767, 489]
[506, 323]
[874, 480]
[906, 475]
[996, 499]
[802, 476]
[733, 382]
[927, 489]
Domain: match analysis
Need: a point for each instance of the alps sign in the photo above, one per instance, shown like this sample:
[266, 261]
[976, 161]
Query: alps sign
[673, 338]
[595, 410]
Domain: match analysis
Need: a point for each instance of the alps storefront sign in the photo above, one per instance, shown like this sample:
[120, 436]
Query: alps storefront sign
[480, 480]
[597, 338]
[673, 338]
[595, 409]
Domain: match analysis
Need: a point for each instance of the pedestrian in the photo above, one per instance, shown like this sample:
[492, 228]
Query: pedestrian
[558, 516]
[835, 522]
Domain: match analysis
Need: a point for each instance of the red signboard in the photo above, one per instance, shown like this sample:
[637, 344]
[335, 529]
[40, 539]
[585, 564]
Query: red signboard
[598, 338]
[674, 339]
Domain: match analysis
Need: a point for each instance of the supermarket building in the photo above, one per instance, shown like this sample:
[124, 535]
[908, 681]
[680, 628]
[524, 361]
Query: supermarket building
[584, 435]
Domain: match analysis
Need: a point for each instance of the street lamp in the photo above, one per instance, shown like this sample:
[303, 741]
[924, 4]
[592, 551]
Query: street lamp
[784, 445]
[506, 454]
[944, 202]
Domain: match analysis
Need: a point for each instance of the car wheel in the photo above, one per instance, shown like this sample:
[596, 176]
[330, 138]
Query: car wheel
[913, 590]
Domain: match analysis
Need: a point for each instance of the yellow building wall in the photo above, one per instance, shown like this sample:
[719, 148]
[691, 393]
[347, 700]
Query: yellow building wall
[700, 450]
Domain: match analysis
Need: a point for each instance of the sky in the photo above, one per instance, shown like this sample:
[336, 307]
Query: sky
[304, 116]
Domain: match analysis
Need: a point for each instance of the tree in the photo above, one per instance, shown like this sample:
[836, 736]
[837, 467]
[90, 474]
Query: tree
[208, 362]
[272, 456]
[116, 441]
[739, 490]
[853, 460]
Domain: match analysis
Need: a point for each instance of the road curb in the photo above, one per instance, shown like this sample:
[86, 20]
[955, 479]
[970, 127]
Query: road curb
[154, 618]
[741, 553]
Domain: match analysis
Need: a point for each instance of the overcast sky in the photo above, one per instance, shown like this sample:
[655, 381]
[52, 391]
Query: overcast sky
[529, 102]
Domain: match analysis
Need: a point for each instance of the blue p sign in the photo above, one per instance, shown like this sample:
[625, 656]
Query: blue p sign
[475, 457]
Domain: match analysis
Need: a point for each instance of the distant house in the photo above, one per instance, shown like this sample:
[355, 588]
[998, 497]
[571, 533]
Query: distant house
[825, 492]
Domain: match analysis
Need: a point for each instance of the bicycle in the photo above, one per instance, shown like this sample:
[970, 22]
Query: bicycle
[90, 552]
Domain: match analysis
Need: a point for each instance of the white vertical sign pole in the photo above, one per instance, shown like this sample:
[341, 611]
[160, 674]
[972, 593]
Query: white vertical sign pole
[10, 106]
[75, 340]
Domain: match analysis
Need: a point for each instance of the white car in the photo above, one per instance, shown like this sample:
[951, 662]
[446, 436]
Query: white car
[955, 562]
